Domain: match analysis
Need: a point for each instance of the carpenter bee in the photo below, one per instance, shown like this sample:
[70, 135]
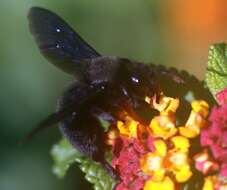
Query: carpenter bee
[103, 86]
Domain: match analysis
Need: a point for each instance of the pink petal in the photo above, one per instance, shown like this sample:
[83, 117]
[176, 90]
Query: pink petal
[222, 97]
[223, 171]
[121, 186]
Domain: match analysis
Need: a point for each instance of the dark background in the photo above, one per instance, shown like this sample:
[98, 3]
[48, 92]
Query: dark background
[172, 32]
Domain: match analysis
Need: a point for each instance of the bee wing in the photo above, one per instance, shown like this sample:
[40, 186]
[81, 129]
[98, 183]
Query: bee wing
[57, 41]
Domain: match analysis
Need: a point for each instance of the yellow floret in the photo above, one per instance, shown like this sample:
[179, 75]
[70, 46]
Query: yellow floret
[183, 173]
[173, 104]
[179, 166]
[208, 184]
[187, 132]
[111, 136]
[121, 127]
[129, 128]
[193, 125]
[152, 164]
[166, 105]
[166, 184]
[201, 107]
[163, 126]
[181, 143]
[160, 147]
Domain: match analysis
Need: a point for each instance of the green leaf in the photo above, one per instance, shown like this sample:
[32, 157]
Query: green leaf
[96, 175]
[216, 75]
[64, 155]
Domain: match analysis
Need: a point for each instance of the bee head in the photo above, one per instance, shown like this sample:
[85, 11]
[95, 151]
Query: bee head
[140, 79]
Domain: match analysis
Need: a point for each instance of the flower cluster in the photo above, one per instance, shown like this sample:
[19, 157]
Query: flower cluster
[215, 138]
[158, 156]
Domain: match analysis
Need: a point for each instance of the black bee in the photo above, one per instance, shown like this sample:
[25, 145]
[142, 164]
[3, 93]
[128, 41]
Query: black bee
[104, 85]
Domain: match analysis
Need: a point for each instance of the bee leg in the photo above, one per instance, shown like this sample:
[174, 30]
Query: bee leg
[110, 170]
[139, 110]
[85, 133]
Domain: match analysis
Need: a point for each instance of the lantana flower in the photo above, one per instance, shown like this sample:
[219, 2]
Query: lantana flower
[215, 136]
[161, 158]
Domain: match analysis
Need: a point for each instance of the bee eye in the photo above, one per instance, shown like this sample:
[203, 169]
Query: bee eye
[134, 79]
